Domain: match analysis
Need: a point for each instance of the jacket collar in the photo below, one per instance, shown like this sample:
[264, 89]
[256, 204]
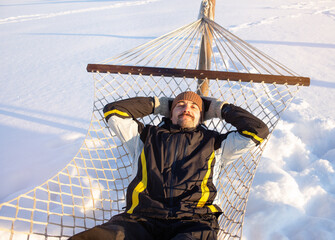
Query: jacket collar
[167, 124]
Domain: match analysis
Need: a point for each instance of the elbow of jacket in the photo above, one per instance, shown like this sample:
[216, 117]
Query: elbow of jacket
[265, 130]
[107, 107]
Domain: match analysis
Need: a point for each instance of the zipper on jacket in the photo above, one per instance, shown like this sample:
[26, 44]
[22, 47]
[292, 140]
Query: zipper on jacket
[173, 167]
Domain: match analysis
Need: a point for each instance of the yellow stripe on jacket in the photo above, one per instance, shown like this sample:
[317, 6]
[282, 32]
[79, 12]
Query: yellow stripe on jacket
[204, 188]
[212, 208]
[141, 186]
[115, 111]
[253, 135]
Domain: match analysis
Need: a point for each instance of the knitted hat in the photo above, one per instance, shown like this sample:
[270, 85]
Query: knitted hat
[190, 96]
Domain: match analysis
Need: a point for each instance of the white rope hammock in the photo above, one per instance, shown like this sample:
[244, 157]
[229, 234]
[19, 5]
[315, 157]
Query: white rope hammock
[92, 187]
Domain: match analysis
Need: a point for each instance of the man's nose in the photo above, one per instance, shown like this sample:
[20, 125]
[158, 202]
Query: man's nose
[187, 108]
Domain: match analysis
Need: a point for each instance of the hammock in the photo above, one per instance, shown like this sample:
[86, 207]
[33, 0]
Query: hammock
[92, 187]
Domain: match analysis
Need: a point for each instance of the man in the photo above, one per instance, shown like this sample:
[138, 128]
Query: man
[172, 194]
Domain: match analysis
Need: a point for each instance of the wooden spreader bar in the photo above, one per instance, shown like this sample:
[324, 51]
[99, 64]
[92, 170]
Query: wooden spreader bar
[199, 74]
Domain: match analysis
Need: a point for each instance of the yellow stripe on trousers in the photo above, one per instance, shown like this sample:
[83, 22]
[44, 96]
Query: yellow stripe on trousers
[141, 186]
[204, 187]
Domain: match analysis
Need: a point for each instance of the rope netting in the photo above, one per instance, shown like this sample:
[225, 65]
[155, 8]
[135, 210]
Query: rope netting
[92, 187]
[181, 49]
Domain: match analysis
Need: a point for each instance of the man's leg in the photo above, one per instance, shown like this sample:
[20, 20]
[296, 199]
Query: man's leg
[120, 227]
[197, 229]
[99, 233]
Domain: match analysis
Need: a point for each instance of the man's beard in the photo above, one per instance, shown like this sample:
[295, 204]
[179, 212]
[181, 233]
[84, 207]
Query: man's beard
[187, 122]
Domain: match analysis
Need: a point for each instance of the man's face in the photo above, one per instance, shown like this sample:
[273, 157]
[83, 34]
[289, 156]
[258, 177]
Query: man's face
[186, 114]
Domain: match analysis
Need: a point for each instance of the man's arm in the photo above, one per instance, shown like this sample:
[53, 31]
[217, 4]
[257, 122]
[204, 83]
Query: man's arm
[246, 124]
[251, 131]
[121, 117]
[136, 107]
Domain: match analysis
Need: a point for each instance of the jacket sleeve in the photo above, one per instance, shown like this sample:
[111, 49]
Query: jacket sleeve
[246, 124]
[121, 117]
[250, 132]
[130, 108]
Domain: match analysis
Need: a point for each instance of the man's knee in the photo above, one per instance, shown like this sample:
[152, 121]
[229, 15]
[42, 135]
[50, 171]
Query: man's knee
[184, 236]
[101, 233]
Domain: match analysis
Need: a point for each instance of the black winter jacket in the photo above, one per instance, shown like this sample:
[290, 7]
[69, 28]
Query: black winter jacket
[174, 169]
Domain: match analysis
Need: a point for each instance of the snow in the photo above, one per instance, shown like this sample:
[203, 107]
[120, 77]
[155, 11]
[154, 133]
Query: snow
[46, 95]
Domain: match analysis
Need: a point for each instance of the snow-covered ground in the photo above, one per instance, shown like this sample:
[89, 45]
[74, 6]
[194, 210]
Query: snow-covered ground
[47, 95]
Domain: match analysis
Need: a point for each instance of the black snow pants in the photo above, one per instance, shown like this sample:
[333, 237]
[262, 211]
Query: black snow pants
[130, 227]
